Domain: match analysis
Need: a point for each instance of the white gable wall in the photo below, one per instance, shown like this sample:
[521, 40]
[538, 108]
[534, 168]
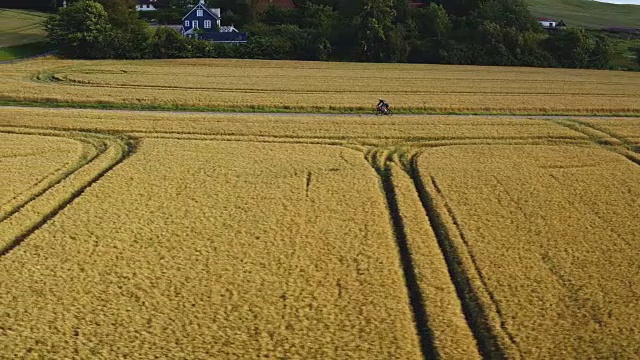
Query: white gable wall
[214, 12]
[547, 23]
[149, 7]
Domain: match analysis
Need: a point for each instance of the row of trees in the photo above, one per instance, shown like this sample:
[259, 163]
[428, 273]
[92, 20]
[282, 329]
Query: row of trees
[100, 29]
[486, 32]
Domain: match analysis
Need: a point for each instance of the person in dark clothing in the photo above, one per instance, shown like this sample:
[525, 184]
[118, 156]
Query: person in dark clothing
[383, 106]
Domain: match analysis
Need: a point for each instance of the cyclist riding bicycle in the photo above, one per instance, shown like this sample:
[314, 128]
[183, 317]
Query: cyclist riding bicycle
[382, 106]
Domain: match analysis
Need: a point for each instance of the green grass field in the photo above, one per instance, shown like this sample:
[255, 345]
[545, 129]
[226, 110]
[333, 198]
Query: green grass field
[24, 50]
[587, 13]
[21, 34]
[596, 15]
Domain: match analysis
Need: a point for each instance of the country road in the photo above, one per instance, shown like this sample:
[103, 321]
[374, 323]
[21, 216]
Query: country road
[301, 114]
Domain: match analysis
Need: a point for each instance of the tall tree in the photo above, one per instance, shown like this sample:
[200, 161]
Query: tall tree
[507, 13]
[81, 30]
[120, 11]
[601, 52]
[577, 48]
[459, 8]
[350, 8]
[169, 44]
[374, 24]
[402, 10]
[434, 22]
[131, 34]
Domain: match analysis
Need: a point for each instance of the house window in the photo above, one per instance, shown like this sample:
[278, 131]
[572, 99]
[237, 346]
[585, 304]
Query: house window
[195, 24]
[186, 23]
[207, 24]
[199, 13]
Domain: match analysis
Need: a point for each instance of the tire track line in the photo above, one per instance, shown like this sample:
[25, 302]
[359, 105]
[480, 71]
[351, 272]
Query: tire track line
[17, 228]
[19, 201]
[379, 162]
[620, 146]
[480, 305]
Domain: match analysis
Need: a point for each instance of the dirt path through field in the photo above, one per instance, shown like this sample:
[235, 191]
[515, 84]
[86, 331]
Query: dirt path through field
[286, 114]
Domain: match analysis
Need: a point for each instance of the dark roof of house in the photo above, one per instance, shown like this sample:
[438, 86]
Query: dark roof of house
[227, 37]
[147, 2]
[545, 19]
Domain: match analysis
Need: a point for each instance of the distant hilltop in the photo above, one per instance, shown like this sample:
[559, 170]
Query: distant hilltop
[596, 14]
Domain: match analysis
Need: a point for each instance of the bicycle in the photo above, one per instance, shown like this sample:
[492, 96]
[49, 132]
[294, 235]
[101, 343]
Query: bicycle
[382, 111]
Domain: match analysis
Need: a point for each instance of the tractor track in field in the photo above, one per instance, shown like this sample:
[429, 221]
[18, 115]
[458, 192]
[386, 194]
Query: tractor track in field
[479, 305]
[55, 198]
[622, 146]
[378, 160]
[20, 200]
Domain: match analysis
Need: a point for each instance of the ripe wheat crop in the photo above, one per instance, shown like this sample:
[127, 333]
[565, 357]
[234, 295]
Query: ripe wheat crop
[293, 127]
[621, 128]
[159, 234]
[240, 250]
[38, 196]
[28, 162]
[452, 338]
[550, 240]
[290, 85]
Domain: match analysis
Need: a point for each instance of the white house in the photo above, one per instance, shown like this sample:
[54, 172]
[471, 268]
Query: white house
[146, 5]
[547, 23]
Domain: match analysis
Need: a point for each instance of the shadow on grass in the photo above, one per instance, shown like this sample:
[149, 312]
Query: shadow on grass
[17, 52]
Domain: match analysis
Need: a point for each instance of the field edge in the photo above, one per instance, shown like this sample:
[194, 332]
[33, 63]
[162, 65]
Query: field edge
[292, 110]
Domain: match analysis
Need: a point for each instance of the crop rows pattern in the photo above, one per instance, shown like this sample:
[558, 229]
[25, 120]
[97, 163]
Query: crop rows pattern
[240, 236]
[269, 85]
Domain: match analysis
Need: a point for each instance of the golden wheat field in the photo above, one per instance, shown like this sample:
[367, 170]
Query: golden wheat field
[311, 86]
[549, 240]
[28, 160]
[143, 235]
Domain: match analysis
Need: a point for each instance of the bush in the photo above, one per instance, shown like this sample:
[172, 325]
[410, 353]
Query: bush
[167, 43]
[575, 48]
[163, 16]
[81, 30]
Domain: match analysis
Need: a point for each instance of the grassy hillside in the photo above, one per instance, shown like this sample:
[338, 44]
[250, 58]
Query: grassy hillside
[20, 27]
[587, 13]
[21, 34]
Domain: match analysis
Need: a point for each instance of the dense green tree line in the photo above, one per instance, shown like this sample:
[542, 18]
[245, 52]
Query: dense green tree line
[485, 32]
